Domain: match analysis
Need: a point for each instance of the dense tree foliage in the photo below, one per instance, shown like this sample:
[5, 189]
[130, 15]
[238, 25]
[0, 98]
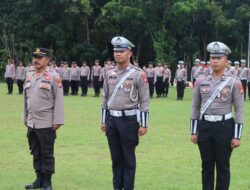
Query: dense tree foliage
[162, 30]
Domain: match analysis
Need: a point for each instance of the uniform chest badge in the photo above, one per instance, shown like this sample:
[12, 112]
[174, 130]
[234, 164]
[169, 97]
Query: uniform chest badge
[127, 84]
[47, 77]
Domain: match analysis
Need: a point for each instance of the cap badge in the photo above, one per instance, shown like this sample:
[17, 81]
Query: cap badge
[216, 47]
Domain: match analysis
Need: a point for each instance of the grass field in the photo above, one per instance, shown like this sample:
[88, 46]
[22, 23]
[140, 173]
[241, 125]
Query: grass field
[166, 160]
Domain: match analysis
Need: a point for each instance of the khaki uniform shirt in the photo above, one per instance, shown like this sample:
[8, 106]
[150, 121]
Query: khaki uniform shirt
[235, 71]
[96, 72]
[85, 72]
[181, 74]
[106, 69]
[166, 74]
[243, 73]
[66, 73]
[9, 71]
[43, 100]
[133, 92]
[75, 73]
[158, 72]
[150, 72]
[231, 95]
[20, 73]
[195, 72]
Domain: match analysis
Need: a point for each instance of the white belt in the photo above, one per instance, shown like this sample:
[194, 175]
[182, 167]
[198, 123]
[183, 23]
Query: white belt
[214, 118]
[243, 79]
[122, 113]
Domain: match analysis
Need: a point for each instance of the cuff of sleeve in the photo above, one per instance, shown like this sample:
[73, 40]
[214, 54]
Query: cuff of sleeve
[144, 119]
[238, 127]
[104, 116]
[193, 126]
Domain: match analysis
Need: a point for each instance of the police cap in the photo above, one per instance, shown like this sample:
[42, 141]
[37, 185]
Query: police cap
[181, 62]
[41, 52]
[236, 62]
[218, 49]
[121, 44]
[243, 61]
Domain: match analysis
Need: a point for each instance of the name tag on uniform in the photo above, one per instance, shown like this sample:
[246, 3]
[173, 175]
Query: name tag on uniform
[45, 86]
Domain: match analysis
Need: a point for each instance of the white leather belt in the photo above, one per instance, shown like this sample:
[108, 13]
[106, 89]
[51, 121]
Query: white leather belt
[214, 118]
[243, 79]
[122, 113]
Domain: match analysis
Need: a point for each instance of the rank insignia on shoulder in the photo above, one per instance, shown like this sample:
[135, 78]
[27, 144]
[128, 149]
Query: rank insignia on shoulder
[144, 77]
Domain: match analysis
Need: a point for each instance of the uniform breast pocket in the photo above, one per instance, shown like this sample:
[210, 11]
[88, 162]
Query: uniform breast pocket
[45, 86]
[204, 89]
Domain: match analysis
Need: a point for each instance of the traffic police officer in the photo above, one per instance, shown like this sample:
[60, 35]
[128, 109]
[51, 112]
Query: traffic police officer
[195, 70]
[43, 115]
[212, 123]
[243, 75]
[181, 79]
[124, 113]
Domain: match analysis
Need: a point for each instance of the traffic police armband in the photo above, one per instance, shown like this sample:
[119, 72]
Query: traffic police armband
[104, 115]
[144, 119]
[193, 126]
[238, 130]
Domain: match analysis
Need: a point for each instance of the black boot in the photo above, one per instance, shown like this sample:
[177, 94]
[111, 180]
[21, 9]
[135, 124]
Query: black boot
[37, 183]
[47, 182]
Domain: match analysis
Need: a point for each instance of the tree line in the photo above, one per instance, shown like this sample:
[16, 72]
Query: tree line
[161, 30]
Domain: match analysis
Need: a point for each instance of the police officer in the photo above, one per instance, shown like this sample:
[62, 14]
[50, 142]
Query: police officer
[166, 79]
[85, 77]
[196, 69]
[158, 79]
[181, 79]
[75, 74]
[9, 75]
[150, 77]
[243, 75]
[124, 113]
[212, 123]
[20, 76]
[236, 70]
[43, 115]
[96, 77]
[66, 79]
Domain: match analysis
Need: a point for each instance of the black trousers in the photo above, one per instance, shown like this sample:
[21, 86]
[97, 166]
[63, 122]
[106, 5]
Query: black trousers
[165, 87]
[159, 86]
[20, 86]
[180, 89]
[96, 85]
[194, 81]
[10, 82]
[214, 141]
[151, 86]
[244, 84]
[122, 134]
[248, 86]
[74, 87]
[84, 85]
[41, 144]
[65, 87]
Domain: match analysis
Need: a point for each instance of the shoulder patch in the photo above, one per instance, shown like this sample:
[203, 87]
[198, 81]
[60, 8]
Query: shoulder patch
[144, 76]
[58, 81]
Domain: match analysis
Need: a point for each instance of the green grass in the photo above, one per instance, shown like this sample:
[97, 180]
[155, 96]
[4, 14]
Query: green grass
[166, 160]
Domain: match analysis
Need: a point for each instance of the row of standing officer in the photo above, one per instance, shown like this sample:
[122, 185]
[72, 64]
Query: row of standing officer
[72, 76]
[160, 77]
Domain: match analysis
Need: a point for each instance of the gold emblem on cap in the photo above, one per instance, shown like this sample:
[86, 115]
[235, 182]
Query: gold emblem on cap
[38, 50]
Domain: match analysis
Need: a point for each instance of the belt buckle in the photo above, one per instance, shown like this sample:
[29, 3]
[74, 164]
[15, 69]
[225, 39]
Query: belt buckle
[217, 118]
